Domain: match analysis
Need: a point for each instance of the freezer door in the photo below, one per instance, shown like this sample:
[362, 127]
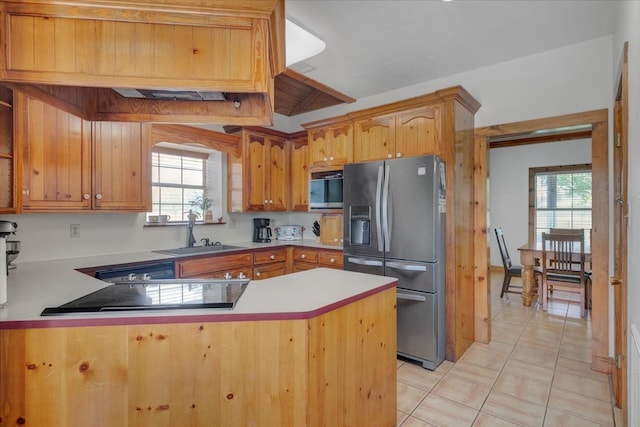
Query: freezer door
[415, 209]
[414, 275]
[362, 200]
[420, 333]
[364, 265]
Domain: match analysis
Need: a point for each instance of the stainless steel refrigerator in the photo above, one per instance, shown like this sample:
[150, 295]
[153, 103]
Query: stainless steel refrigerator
[394, 225]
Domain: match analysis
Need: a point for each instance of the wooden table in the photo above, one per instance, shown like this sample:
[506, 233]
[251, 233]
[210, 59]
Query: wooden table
[529, 252]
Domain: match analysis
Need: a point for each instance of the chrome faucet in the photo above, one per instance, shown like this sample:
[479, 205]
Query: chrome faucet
[192, 220]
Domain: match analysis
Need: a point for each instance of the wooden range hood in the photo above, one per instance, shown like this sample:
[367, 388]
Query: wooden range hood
[72, 53]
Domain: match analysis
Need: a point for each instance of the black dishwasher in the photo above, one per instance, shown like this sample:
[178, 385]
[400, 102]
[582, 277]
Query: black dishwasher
[150, 271]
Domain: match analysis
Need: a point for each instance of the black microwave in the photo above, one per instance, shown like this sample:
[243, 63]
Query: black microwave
[325, 190]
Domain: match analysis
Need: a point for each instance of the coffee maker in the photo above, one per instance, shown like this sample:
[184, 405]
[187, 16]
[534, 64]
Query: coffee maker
[261, 230]
[6, 228]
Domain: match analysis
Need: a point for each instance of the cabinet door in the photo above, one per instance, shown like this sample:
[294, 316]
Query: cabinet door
[299, 200]
[417, 132]
[256, 152]
[331, 146]
[120, 173]
[57, 158]
[318, 147]
[278, 175]
[374, 139]
[341, 145]
[331, 229]
[10, 157]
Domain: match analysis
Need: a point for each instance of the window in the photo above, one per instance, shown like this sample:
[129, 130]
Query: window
[177, 178]
[560, 197]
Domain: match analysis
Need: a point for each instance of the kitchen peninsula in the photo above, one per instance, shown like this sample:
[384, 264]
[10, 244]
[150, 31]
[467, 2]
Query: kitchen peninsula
[312, 348]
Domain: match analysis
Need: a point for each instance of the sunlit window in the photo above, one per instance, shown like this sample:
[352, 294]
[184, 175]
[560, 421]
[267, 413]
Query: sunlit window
[177, 179]
[562, 198]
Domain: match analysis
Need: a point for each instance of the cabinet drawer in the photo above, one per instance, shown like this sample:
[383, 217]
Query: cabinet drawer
[236, 273]
[269, 270]
[204, 265]
[302, 266]
[271, 255]
[331, 259]
[305, 255]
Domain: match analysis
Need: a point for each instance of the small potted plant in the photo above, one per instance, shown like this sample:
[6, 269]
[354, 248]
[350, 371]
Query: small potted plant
[203, 204]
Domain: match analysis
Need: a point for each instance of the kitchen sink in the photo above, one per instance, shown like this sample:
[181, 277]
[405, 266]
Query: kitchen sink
[199, 249]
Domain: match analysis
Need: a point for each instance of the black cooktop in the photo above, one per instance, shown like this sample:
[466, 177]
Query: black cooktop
[147, 295]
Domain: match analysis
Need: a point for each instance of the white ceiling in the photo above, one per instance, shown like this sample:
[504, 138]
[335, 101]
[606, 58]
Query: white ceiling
[382, 45]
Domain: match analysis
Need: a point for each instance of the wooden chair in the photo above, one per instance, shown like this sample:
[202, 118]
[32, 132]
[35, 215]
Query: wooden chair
[510, 270]
[561, 253]
[578, 231]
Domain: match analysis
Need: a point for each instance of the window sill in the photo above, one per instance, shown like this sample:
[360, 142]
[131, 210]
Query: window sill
[180, 224]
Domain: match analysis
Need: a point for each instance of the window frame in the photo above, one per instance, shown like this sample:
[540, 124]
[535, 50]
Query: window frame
[182, 153]
[533, 172]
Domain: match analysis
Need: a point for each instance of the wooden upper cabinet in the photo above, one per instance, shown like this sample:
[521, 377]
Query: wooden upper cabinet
[72, 164]
[299, 183]
[417, 131]
[409, 133]
[121, 173]
[57, 157]
[266, 172]
[77, 52]
[331, 229]
[374, 138]
[331, 145]
[10, 157]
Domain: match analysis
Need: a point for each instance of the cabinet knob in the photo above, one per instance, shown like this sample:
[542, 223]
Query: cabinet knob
[99, 196]
[241, 275]
[331, 158]
[303, 256]
[332, 260]
[266, 201]
[335, 240]
[86, 196]
[258, 273]
[389, 156]
[272, 257]
[398, 154]
[271, 201]
[325, 159]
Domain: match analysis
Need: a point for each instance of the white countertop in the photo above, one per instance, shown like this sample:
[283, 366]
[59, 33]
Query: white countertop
[36, 285]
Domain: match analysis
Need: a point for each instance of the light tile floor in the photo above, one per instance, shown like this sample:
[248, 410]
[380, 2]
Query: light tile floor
[535, 372]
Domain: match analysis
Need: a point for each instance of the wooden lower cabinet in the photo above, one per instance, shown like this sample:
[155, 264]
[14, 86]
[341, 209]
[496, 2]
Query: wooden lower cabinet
[269, 263]
[289, 372]
[216, 266]
[308, 258]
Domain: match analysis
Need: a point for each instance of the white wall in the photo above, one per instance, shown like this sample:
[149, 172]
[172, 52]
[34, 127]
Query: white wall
[509, 186]
[572, 79]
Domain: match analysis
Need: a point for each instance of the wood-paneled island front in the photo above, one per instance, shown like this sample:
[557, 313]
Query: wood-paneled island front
[314, 348]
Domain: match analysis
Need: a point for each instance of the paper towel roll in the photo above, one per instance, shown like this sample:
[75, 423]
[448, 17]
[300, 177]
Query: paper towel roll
[3, 271]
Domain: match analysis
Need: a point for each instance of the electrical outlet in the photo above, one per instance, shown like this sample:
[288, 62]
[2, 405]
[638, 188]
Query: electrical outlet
[74, 231]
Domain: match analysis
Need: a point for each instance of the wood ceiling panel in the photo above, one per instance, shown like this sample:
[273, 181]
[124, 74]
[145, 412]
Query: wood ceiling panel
[296, 94]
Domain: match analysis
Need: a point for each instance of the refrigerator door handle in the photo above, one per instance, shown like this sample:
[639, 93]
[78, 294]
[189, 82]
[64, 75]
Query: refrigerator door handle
[406, 267]
[411, 297]
[362, 261]
[377, 213]
[385, 211]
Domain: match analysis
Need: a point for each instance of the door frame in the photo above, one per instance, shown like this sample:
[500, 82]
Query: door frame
[599, 134]
[619, 281]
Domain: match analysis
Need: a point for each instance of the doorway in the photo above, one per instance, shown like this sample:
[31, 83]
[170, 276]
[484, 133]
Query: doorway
[591, 124]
